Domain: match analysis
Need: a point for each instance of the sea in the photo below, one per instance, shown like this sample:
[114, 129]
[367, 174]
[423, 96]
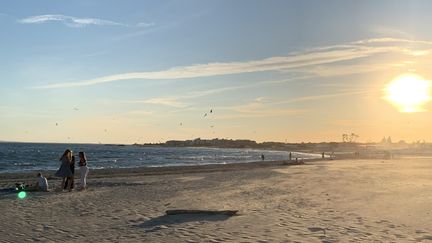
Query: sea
[21, 157]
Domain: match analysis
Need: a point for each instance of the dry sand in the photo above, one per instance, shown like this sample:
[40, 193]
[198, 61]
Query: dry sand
[327, 201]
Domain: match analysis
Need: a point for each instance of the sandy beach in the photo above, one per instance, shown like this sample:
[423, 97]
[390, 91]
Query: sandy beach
[320, 201]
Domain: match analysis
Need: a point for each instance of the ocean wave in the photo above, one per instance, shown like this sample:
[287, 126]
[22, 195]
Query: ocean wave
[24, 164]
[16, 157]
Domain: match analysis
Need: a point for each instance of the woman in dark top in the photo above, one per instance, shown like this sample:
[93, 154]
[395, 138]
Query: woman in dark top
[65, 170]
[71, 178]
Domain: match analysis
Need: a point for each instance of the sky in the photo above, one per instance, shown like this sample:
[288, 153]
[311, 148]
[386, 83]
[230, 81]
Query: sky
[108, 71]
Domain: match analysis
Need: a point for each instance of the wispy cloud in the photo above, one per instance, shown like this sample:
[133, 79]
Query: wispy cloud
[267, 107]
[261, 113]
[390, 40]
[294, 62]
[347, 69]
[178, 100]
[390, 31]
[69, 21]
[145, 24]
[181, 101]
[173, 102]
[325, 96]
[259, 107]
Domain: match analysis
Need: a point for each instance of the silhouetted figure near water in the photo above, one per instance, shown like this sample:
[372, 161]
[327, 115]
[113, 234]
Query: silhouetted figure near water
[290, 156]
[64, 171]
[71, 178]
[262, 157]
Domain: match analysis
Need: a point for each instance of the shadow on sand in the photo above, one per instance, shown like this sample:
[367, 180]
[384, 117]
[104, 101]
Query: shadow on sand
[166, 220]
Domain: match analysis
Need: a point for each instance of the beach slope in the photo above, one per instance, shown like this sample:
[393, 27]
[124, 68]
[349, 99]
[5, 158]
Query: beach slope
[321, 201]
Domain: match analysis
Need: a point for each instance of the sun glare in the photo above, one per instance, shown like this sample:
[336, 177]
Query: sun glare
[409, 92]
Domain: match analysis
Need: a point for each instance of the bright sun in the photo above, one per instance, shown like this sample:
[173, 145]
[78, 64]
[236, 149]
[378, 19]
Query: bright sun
[409, 92]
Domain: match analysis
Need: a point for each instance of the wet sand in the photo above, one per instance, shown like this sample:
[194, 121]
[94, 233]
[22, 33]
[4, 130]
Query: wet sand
[320, 201]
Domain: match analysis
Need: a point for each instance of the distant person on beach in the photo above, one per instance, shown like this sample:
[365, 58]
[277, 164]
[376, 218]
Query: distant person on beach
[42, 183]
[83, 170]
[262, 157]
[64, 171]
[323, 155]
[290, 156]
[72, 178]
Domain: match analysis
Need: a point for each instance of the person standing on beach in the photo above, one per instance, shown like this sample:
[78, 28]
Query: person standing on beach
[64, 171]
[72, 178]
[83, 170]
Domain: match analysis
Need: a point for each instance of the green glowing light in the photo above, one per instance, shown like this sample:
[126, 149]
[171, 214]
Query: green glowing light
[22, 195]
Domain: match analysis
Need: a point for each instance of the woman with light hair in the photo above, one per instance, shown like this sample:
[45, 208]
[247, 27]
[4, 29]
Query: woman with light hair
[83, 170]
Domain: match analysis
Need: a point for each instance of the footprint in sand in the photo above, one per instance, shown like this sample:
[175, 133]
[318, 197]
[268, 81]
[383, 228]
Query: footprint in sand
[426, 237]
[317, 229]
[38, 229]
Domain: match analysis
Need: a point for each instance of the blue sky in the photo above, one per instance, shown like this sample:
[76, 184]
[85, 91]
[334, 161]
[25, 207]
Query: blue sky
[133, 71]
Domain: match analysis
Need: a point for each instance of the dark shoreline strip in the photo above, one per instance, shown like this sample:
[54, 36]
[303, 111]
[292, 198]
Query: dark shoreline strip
[148, 171]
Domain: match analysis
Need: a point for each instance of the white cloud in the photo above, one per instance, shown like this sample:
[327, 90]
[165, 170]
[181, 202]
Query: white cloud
[297, 61]
[265, 107]
[178, 100]
[324, 96]
[390, 31]
[68, 20]
[259, 107]
[261, 99]
[347, 69]
[145, 24]
[173, 102]
[261, 113]
[395, 41]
